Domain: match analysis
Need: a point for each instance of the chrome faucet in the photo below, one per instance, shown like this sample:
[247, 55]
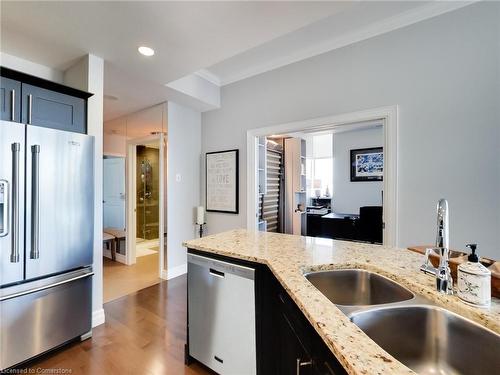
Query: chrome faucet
[444, 281]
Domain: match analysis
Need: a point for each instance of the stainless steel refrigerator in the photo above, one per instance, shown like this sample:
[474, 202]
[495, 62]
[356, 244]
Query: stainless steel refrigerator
[46, 239]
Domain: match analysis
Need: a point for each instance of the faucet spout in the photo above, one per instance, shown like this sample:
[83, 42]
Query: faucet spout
[442, 237]
[444, 281]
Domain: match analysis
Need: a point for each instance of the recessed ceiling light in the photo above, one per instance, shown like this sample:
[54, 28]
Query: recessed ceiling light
[146, 51]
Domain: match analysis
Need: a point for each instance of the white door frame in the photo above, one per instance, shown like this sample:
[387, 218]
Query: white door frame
[389, 116]
[131, 186]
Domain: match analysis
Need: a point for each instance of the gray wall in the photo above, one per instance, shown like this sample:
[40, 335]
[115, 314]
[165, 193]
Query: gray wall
[349, 196]
[444, 75]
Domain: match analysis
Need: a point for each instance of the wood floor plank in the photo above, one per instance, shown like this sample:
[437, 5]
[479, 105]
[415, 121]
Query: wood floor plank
[120, 280]
[144, 333]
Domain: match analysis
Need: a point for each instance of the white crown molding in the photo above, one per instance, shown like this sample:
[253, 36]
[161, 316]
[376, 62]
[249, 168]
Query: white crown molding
[208, 76]
[407, 18]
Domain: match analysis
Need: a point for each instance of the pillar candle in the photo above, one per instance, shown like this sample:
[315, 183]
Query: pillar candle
[200, 215]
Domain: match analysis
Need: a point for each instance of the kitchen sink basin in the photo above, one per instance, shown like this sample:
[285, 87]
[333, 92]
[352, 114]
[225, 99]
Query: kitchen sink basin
[355, 287]
[432, 340]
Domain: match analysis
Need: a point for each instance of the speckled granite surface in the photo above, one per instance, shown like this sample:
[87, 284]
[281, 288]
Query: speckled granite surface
[289, 257]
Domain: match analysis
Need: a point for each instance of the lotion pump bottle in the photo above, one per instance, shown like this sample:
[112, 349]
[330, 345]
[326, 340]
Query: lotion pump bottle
[474, 281]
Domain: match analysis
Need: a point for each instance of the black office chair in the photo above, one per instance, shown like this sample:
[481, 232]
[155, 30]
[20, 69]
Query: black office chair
[370, 224]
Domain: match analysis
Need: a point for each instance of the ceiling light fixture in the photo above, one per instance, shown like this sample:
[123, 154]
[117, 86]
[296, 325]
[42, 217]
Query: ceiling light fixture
[146, 51]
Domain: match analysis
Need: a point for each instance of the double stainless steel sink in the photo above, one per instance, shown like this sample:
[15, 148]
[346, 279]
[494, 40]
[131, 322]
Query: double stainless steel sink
[426, 338]
[355, 287]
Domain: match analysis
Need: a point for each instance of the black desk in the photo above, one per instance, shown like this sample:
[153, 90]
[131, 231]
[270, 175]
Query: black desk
[340, 226]
[346, 226]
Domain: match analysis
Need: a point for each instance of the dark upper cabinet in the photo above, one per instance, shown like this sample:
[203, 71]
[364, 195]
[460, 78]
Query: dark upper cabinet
[10, 99]
[51, 109]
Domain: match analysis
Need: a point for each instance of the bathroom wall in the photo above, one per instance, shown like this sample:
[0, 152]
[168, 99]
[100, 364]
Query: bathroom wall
[147, 213]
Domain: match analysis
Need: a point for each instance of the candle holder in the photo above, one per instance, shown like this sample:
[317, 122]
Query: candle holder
[200, 230]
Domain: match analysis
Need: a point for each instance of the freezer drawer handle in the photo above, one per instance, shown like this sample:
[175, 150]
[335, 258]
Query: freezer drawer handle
[216, 273]
[14, 252]
[218, 359]
[35, 202]
[34, 290]
[4, 206]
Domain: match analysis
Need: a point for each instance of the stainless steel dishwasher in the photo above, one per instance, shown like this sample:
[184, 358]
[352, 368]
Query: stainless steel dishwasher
[221, 315]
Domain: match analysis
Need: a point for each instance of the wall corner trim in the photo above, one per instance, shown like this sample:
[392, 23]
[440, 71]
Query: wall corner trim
[98, 317]
[174, 272]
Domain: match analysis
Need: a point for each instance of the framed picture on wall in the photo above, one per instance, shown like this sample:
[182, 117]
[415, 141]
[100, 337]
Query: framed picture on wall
[222, 181]
[367, 164]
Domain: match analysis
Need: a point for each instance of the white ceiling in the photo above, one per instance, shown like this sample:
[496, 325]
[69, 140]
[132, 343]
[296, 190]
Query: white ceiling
[235, 39]
[186, 36]
[355, 23]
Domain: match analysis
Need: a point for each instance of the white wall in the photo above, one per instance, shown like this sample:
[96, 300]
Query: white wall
[88, 74]
[30, 67]
[199, 88]
[115, 145]
[443, 73]
[349, 196]
[184, 150]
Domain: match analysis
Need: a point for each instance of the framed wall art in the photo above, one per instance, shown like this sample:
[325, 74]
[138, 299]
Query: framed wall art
[367, 164]
[222, 181]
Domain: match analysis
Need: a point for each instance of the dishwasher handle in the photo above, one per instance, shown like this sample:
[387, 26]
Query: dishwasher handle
[216, 273]
[219, 268]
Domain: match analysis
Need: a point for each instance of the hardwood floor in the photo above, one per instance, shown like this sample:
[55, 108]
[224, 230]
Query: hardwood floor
[144, 333]
[120, 280]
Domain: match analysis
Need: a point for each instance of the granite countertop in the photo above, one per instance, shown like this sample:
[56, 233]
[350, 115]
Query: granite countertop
[288, 257]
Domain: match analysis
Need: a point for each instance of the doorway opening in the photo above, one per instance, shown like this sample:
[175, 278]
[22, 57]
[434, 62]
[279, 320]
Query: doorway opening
[145, 204]
[332, 177]
[133, 217]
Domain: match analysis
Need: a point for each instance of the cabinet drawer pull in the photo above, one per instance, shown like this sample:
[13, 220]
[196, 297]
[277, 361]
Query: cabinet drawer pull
[218, 359]
[30, 108]
[302, 364]
[13, 105]
[216, 273]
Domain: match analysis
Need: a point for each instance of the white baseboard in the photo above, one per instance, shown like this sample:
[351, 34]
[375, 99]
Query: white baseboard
[98, 317]
[119, 257]
[174, 272]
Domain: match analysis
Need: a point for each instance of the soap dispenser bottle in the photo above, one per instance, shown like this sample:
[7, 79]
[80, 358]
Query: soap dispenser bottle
[474, 280]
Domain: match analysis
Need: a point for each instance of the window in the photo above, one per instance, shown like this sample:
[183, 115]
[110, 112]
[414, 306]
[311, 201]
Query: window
[320, 165]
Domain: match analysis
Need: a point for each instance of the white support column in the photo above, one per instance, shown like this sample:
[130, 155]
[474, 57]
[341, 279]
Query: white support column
[88, 75]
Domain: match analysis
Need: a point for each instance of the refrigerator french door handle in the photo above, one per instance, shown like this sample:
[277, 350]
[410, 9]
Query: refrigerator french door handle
[4, 191]
[30, 108]
[13, 105]
[14, 251]
[35, 202]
